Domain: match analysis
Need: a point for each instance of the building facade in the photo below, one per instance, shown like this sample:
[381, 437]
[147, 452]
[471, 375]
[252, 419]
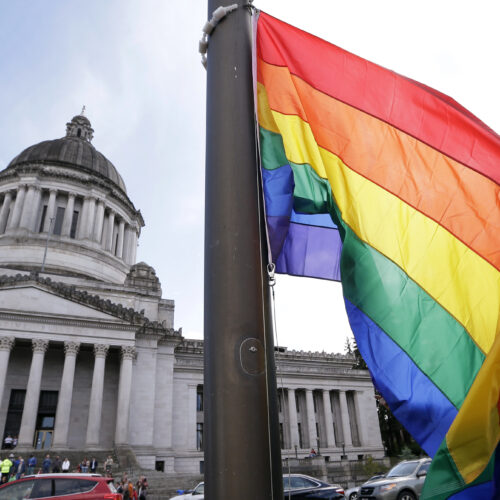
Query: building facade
[89, 357]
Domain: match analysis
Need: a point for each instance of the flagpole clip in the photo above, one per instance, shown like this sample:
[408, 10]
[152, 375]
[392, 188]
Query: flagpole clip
[271, 268]
[218, 14]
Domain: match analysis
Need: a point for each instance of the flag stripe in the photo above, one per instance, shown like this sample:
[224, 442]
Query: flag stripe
[462, 282]
[455, 196]
[311, 251]
[431, 117]
[403, 385]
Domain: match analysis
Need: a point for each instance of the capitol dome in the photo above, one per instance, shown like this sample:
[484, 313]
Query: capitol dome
[64, 209]
[75, 150]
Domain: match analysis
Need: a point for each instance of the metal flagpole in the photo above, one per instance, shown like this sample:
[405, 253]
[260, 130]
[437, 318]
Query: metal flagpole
[242, 456]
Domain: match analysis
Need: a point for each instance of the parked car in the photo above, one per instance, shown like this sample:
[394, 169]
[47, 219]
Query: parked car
[403, 482]
[61, 486]
[197, 493]
[296, 486]
[300, 486]
[353, 493]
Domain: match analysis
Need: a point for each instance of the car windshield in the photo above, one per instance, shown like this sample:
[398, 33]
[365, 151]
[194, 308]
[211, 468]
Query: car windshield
[403, 469]
[199, 490]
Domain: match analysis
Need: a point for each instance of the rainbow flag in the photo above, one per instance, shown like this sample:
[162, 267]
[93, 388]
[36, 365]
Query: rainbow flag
[393, 188]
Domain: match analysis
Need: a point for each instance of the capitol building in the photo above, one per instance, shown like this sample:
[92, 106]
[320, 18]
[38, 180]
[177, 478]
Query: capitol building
[90, 359]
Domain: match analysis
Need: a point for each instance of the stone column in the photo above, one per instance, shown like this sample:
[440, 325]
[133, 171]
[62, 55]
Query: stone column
[99, 220]
[96, 393]
[18, 207]
[51, 210]
[6, 345]
[30, 410]
[327, 408]
[65, 395]
[126, 244]
[109, 231]
[133, 251]
[4, 212]
[119, 246]
[292, 416]
[191, 417]
[89, 233]
[68, 215]
[311, 419]
[35, 210]
[27, 211]
[124, 388]
[344, 412]
[84, 222]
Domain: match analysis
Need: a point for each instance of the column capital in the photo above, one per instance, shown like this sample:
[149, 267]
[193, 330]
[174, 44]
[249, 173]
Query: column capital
[53, 190]
[71, 348]
[71, 195]
[101, 350]
[128, 352]
[6, 343]
[39, 345]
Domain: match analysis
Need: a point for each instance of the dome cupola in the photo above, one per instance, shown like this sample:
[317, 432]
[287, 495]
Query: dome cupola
[80, 127]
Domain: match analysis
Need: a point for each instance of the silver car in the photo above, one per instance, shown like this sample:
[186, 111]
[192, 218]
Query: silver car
[403, 482]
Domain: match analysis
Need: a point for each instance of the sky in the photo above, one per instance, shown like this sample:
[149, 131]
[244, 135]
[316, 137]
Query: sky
[134, 65]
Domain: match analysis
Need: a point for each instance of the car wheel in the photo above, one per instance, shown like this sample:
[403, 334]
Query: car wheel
[353, 495]
[407, 495]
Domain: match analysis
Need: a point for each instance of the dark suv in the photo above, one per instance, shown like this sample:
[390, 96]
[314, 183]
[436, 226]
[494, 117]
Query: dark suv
[403, 482]
[61, 486]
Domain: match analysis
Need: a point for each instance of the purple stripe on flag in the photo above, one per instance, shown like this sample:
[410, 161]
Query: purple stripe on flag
[310, 251]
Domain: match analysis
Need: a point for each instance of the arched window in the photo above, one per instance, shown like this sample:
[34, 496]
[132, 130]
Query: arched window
[79, 132]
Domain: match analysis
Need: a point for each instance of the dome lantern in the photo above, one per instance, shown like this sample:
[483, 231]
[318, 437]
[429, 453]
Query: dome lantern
[80, 127]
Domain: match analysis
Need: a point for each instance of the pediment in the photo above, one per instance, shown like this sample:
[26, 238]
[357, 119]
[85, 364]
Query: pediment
[31, 299]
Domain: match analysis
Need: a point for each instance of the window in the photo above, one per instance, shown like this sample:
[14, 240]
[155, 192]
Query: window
[315, 404]
[297, 482]
[299, 426]
[199, 398]
[72, 486]
[282, 443]
[74, 222]
[43, 488]
[79, 132]
[59, 220]
[42, 220]
[17, 490]
[199, 437]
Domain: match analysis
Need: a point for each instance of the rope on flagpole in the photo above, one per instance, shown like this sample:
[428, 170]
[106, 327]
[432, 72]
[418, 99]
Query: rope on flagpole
[218, 14]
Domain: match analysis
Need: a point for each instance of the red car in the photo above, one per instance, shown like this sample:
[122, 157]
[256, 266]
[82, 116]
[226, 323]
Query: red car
[61, 486]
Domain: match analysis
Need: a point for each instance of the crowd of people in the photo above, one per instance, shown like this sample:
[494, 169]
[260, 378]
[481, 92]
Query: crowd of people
[13, 468]
[131, 491]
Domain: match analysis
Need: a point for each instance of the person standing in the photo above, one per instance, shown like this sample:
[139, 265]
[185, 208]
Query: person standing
[56, 464]
[93, 465]
[85, 465]
[65, 465]
[20, 469]
[5, 468]
[31, 464]
[108, 465]
[47, 462]
[7, 442]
